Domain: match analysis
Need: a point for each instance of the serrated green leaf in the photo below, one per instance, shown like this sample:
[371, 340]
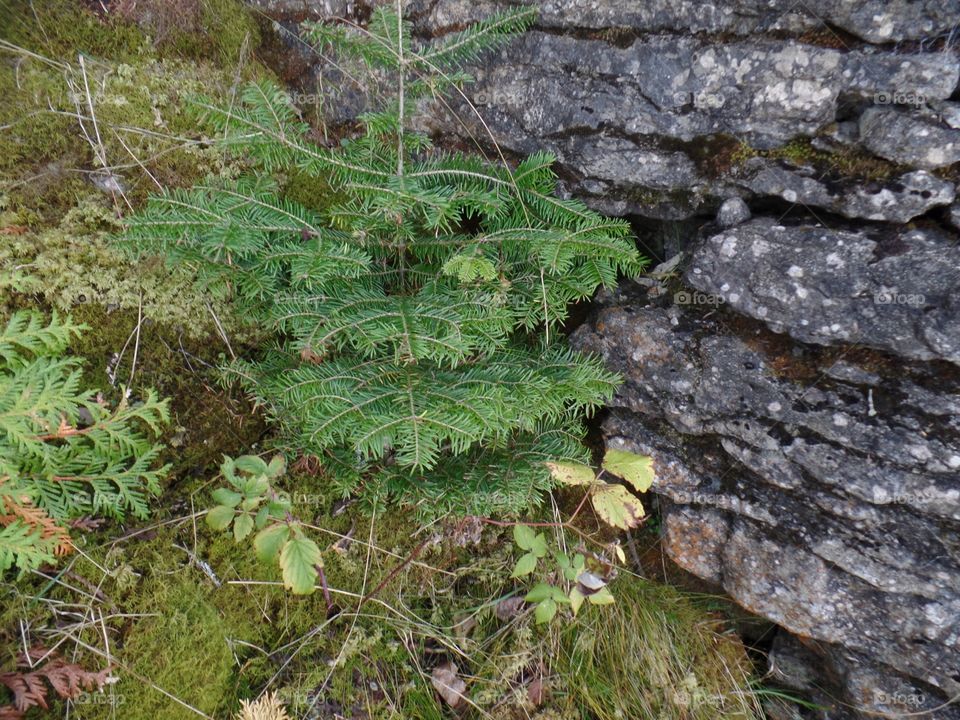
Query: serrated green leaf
[571, 473]
[298, 560]
[251, 503]
[225, 496]
[242, 527]
[635, 469]
[545, 611]
[525, 565]
[255, 486]
[267, 543]
[524, 536]
[251, 464]
[278, 509]
[539, 545]
[540, 591]
[617, 507]
[220, 517]
[263, 514]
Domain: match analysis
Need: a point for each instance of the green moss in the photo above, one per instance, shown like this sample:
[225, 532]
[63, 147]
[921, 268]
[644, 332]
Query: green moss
[654, 654]
[851, 162]
[179, 645]
[60, 29]
[136, 118]
[230, 25]
[76, 263]
[311, 191]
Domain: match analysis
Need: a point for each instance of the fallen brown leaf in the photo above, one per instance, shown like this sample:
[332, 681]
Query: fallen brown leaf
[448, 684]
[509, 607]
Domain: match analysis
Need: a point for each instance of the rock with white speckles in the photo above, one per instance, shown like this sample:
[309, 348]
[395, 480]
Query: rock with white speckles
[596, 105]
[909, 138]
[732, 212]
[899, 200]
[897, 291]
[880, 21]
[817, 492]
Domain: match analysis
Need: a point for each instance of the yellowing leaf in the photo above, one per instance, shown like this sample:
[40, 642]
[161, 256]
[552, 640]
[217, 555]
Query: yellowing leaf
[635, 469]
[616, 506]
[242, 527]
[604, 597]
[219, 518]
[267, 543]
[298, 560]
[576, 601]
[571, 473]
[277, 466]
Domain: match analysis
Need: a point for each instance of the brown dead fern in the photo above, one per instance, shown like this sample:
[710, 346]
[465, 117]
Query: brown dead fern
[38, 671]
[36, 519]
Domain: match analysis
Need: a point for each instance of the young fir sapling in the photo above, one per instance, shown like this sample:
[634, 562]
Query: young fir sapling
[418, 313]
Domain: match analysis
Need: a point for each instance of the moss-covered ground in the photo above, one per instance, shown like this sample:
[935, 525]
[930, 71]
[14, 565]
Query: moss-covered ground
[96, 117]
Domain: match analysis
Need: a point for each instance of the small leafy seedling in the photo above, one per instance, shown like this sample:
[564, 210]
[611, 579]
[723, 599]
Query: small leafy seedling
[584, 578]
[577, 582]
[251, 502]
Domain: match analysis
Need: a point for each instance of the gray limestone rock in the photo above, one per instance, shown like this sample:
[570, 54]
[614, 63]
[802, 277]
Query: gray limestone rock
[893, 291]
[732, 212]
[898, 201]
[820, 494]
[909, 138]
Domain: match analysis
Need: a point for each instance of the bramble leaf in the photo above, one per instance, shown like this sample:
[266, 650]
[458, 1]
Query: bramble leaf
[267, 543]
[524, 536]
[299, 560]
[545, 612]
[525, 565]
[539, 545]
[220, 517]
[251, 464]
[635, 469]
[572, 473]
[540, 591]
[616, 506]
[225, 496]
[242, 527]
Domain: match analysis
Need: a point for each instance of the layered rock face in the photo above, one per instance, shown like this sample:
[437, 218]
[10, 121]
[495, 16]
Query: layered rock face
[795, 374]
